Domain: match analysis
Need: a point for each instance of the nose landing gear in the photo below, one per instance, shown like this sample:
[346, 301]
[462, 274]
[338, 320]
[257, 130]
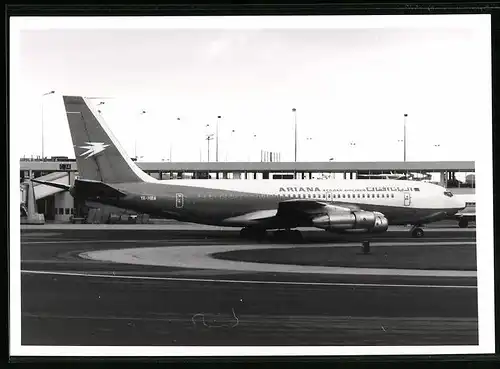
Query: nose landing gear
[416, 231]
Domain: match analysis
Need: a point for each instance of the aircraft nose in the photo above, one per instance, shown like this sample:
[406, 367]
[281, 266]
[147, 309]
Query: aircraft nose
[460, 203]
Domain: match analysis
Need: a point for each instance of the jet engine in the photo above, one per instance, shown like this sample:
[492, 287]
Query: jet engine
[371, 221]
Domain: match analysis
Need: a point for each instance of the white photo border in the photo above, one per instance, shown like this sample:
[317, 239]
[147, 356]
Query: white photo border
[483, 169]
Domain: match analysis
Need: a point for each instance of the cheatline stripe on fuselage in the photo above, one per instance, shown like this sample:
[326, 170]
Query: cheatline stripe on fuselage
[232, 189]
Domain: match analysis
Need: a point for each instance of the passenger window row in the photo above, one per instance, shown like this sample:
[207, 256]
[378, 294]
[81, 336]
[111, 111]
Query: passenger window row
[338, 196]
[328, 196]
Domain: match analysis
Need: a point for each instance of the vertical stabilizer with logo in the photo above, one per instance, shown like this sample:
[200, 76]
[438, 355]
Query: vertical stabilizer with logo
[99, 155]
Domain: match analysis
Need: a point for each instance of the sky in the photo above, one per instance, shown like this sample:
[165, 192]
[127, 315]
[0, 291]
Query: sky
[350, 82]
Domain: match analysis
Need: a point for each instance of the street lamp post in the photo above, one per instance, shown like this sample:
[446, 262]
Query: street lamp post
[404, 137]
[352, 145]
[253, 143]
[230, 142]
[295, 134]
[217, 139]
[437, 146]
[208, 138]
[308, 139]
[172, 141]
[295, 140]
[98, 110]
[401, 142]
[43, 152]
[135, 143]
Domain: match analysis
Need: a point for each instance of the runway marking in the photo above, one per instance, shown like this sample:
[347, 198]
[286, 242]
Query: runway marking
[231, 242]
[200, 257]
[40, 234]
[292, 283]
[95, 241]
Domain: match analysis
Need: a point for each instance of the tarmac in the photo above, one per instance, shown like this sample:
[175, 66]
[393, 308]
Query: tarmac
[183, 285]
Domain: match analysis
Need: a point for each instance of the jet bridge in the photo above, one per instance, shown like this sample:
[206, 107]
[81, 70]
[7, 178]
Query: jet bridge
[31, 192]
[29, 213]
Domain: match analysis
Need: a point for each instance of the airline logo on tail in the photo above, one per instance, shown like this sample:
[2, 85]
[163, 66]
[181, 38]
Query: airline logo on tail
[93, 148]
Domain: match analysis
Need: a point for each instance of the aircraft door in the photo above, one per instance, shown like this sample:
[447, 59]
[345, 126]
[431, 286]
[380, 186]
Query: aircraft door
[407, 198]
[179, 200]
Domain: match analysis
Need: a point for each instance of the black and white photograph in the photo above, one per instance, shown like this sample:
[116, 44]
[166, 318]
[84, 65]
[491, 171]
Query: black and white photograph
[251, 185]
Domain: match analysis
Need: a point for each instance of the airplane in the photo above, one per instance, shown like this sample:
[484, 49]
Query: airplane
[400, 176]
[390, 175]
[108, 176]
[468, 214]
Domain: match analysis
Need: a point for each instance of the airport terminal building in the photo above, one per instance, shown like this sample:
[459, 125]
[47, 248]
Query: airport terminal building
[58, 205]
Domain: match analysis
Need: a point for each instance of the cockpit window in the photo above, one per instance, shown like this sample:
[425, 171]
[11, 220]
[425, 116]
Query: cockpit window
[448, 193]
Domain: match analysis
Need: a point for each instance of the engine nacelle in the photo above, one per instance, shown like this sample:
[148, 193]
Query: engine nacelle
[371, 221]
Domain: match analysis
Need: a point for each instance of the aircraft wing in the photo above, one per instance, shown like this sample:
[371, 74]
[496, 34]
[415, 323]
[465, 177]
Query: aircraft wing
[254, 217]
[290, 213]
[312, 206]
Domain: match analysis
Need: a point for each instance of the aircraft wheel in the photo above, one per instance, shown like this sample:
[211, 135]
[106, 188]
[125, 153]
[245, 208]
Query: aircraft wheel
[463, 223]
[253, 234]
[417, 232]
[245, 233]
[296, 236]
[279, 235]
[259, 234]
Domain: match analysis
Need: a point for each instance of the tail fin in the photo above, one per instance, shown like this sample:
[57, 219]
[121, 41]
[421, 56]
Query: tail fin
[99, 155]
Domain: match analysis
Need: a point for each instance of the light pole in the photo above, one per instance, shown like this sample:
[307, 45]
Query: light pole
[437, 146]
[45, 94]
[172, 141]
[401, 142]
[135, 143]
[295, 130]
[352, 145]
[101, 103]
[209, 137]
[307, 141]
[217, 139]
[404, 137]
[253, 143]
[230, 141]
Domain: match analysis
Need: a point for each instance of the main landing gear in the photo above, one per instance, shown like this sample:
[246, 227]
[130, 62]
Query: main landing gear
[416, 231]
[288, 235]
[463, 223]
[259, 234]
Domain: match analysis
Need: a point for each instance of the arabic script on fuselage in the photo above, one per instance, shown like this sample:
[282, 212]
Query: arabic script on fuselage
[365, 189]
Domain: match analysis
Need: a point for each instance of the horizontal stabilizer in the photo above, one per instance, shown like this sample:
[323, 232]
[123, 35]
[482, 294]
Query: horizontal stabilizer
[62, 186]
[96, 189]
